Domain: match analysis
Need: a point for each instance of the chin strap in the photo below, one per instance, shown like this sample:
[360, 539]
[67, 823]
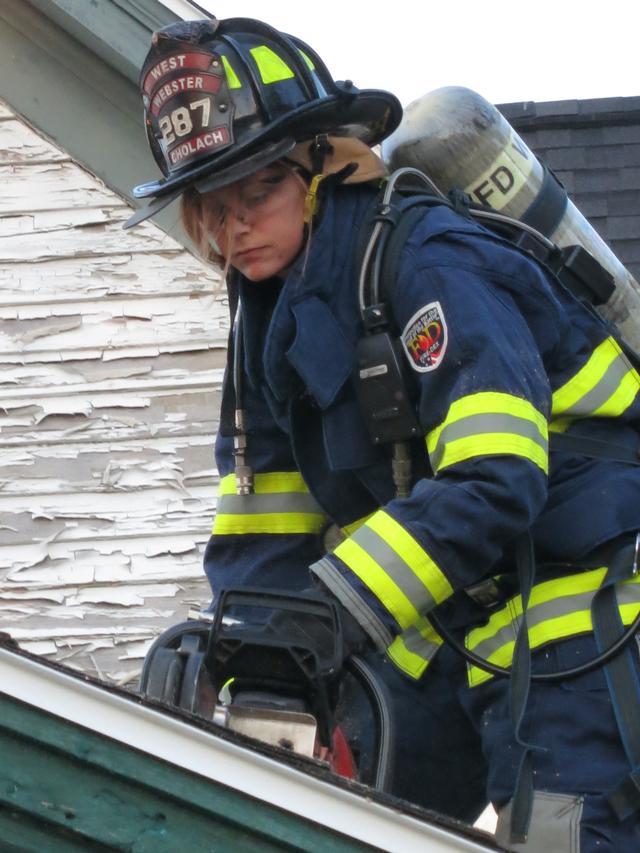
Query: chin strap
[311, 201]
[321, 184]
[319, 150]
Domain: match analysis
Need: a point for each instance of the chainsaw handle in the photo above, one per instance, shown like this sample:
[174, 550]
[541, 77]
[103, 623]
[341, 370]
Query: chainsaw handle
[288, 643]
[277, 600]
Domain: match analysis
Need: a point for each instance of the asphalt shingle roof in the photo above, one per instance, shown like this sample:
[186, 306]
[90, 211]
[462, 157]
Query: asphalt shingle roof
[593, 146]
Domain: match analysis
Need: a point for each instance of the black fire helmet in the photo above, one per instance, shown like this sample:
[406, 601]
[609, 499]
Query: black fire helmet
[225, 98]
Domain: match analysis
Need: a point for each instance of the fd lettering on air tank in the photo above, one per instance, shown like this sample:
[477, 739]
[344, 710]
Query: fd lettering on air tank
[505, 177]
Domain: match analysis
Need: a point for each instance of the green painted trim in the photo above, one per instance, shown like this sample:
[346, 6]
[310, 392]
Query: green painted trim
[79, 787]
[116, 30]
[20, 832]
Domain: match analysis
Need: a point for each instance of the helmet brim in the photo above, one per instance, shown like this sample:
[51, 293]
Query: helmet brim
[370, 115]
[221, 178]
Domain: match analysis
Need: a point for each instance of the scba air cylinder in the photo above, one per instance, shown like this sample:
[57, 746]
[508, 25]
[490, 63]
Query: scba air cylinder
[461, 140]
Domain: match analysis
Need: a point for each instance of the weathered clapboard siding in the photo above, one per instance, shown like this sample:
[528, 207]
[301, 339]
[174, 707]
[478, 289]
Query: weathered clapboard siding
[111, 352]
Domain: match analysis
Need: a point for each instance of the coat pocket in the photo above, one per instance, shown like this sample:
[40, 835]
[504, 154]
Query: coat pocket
[320, 353]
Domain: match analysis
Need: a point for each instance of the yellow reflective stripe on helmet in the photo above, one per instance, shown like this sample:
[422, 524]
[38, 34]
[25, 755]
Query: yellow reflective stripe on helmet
[413, 650]
[604, 387]
[558, 609]
[310, 64]
[272, 67]
[486, 424]
[281, 503]
[397, 570]
[233, 80]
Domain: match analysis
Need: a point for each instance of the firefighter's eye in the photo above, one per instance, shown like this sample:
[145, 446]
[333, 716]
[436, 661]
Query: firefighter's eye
[274, 178]
[263, 191]
[257, 198]
[219, 213]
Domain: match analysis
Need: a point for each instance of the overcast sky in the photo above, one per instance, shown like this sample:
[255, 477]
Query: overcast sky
[506, 51]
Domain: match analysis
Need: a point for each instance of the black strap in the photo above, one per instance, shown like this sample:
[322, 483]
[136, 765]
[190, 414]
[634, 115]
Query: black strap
[547, 209]
[395, 243]
[401, 216]
[622, 680]
[228, 404]
[625, 799]
[594, 448]
[519, 685]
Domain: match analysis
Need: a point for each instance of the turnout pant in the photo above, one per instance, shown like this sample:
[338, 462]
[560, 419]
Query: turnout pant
[455, 749]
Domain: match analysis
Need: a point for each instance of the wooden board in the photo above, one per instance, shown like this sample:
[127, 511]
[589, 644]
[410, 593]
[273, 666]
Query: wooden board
[112, 348]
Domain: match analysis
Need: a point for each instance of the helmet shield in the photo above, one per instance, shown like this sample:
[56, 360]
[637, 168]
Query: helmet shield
[188, 108]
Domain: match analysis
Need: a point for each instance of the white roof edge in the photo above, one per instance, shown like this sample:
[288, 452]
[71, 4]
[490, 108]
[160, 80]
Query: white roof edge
[220, 760]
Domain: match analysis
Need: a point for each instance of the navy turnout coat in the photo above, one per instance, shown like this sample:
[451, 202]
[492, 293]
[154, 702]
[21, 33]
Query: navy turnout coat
[500, 355]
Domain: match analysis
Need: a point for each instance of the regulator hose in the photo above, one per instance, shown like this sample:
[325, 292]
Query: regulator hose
[560, 675]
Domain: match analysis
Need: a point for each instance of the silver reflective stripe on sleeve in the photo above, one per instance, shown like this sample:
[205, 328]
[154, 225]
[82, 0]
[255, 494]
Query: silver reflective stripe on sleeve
[414, 649]
[270, 503]
[281, 503]
[605, 386]
[602, 391]
[402, 575]
[348, 597]
[558, 609]
[486, 424]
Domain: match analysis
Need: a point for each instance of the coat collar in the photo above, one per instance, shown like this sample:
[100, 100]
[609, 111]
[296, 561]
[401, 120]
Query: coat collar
[291, 345]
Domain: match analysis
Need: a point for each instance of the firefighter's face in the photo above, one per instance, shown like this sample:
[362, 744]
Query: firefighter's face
[257, 223]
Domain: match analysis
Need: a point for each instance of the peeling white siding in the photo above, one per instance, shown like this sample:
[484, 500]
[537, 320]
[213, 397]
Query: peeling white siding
[111, 352]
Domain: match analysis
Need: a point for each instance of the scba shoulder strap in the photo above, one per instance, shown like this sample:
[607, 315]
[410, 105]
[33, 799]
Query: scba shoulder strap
[393, 216]
[386, 394]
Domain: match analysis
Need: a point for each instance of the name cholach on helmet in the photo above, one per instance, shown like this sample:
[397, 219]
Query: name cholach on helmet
[224, 98]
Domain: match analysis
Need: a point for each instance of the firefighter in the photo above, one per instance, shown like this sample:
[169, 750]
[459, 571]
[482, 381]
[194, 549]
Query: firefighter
[272, 160]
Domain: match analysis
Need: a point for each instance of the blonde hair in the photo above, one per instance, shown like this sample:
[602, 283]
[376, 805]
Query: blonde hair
[192, 216]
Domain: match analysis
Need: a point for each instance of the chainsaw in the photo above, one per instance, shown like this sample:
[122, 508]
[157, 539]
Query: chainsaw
[230, 667]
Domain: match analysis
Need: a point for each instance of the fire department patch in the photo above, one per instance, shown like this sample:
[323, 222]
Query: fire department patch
[425, 338]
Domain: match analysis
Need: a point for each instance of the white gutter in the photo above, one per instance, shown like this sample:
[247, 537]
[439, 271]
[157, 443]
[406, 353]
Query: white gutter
[185, 10]
[222, 761]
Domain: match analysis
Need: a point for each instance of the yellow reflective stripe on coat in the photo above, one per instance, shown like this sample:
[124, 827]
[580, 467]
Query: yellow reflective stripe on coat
[413, 650]
[350, 529]
[557, 609]
[395, 567]
[281, 503]
[604, 387]
[486, 424]
[272, 67]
